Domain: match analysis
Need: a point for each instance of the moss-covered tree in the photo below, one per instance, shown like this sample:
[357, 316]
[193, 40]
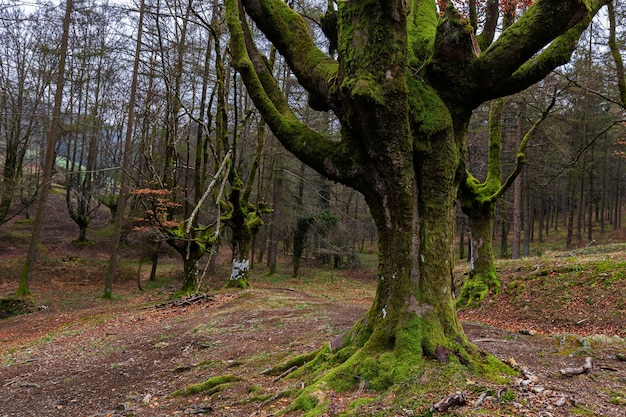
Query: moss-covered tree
[616, 54]
[244, 220]
[241, 215]
[403, 86]
[478, 201]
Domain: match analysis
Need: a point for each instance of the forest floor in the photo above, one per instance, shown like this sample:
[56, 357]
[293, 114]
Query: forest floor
[80, 355]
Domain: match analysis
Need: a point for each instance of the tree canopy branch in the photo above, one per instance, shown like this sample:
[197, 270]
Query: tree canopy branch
[513, 66]
[331, 158]
[287, 30]
[521, 155]
[617, 55]
[423, 20]
[488, 33]
[556, 54]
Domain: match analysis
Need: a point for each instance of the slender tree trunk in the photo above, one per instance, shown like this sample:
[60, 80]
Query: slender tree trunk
[542, 208]
[154, 258]
[570, 220]
[581, 201]
[462, 239]
[274, 225]
[603, 195]
[121, 201]
[590, 204]
[528, 220]
[616, 52]
[24, 286]
[517, 189]
[482, 276]
[564, 204]
[582, 197]
[10, 175]
[504, 234]
[549, 216]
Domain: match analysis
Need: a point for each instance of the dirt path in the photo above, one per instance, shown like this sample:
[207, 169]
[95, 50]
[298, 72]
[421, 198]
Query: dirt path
[127, 357]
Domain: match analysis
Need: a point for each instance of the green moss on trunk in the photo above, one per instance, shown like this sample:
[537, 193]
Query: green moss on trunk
[244, 220]
[482, 279]
[190, 270]
[478, 201]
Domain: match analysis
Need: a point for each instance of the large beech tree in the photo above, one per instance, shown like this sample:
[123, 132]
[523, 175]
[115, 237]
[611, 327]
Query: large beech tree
[403, 85]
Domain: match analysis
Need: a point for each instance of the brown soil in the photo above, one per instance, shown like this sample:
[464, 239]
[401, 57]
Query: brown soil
[84, 356]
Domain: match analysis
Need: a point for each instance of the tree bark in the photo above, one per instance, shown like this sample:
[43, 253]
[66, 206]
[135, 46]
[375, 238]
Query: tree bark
[479, 200]
[244, 222]
[617, 54]
[504, 233]
[191, 248]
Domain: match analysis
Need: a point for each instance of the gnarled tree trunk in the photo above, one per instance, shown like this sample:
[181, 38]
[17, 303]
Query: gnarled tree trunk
[403, 87]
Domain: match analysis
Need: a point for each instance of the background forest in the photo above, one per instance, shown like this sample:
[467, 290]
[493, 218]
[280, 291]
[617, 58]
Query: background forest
[202, 172]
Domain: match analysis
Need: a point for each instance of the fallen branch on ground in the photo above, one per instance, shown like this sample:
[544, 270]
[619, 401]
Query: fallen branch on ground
[575, 252]
[285, 373]
[585, 369]
[185, 302]
[453, 400]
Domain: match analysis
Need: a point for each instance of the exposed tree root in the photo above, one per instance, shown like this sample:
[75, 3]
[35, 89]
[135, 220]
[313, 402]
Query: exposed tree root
[352, 368]
[210, 386]
[291, 364]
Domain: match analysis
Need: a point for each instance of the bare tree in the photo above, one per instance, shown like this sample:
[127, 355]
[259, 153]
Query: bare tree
[24, 287]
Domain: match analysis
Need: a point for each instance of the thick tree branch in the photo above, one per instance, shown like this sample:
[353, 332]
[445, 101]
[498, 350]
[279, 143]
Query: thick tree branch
[289, 33]
[423, 20]
[328, 157]
[494, 173]
[544, 21]
[556, 54]
[617, 56]
[490, 190]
